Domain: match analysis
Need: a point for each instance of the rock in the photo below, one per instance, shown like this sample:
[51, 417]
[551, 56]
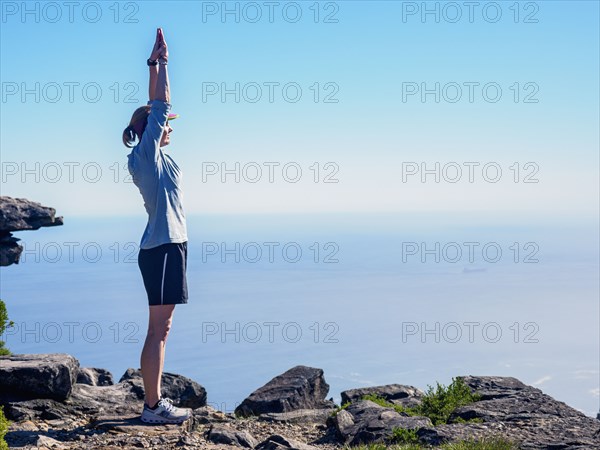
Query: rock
[84, 401]
[277, 442]
[208, 414]
[343, 422]
[300, 387]
[394, 393]
[131, 424]
[21, 214]
[300, 416]
[528, 415]
[45, 376]
[364, 422]
[10, 251]
[184, 392]
[48, 442]
[224, 434]
[94, 376]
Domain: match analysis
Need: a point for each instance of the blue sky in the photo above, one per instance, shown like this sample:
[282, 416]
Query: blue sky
[363, 60]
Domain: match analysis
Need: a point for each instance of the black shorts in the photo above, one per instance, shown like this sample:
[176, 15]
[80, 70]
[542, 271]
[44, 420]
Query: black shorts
[164, 272]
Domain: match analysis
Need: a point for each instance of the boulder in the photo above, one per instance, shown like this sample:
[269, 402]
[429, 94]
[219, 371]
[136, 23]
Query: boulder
[84, 401]
[300, 387]
[299, 416]
[529, 416]
[94, 377]
[18, 214]
[398, 394]
[224, 434]
[184, 392]
[10, 251]
[207, 414]
[42, 376]
[365, 422]
[21, 214]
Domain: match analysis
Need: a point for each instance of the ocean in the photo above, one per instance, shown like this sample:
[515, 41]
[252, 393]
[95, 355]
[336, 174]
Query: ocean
[371, 299]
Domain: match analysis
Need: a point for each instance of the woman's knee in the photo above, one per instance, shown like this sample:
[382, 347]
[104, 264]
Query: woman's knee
[159, 329]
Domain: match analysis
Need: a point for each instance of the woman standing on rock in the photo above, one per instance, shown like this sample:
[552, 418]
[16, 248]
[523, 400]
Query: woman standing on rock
[162, 258]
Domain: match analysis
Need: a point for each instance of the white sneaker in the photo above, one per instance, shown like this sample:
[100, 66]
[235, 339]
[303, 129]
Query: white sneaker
[165, 412]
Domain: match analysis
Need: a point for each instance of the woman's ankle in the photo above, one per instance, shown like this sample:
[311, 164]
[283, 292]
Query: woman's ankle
[152, 405]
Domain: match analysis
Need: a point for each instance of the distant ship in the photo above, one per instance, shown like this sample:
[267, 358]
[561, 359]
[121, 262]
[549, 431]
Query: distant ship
[473, 270]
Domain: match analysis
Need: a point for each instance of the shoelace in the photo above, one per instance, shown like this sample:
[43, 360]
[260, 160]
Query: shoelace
[167, 403]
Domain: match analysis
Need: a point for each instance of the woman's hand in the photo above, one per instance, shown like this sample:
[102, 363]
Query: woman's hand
[156, 49]
[163, 50]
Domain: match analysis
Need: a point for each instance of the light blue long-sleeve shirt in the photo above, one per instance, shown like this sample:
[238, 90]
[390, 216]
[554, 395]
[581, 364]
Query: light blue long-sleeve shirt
[159, 181]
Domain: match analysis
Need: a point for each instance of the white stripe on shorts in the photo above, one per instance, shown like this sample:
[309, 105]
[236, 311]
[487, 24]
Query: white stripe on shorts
[162, 283]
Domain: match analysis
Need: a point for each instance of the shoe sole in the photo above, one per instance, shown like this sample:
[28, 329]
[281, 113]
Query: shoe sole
[164, 421]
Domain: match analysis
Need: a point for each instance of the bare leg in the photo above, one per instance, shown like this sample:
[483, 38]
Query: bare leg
[153, 355]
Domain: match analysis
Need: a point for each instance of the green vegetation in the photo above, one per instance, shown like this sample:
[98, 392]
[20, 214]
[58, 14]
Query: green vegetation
[491, 443]
[404, 436]
[3, 429]
[4, 323]
[437, 404]
[339, 408]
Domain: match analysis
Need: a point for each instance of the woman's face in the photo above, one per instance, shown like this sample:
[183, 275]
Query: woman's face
[165, 138]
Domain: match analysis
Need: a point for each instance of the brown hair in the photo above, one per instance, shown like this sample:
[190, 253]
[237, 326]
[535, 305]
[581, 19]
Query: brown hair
[136, 126]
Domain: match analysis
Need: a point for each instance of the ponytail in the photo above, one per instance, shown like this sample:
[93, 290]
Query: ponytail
[129, 137]
[136, 126]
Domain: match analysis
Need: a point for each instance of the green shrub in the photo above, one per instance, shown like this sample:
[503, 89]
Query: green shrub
[404, 436]
[3, 429]
[4, 323]
[439, 403]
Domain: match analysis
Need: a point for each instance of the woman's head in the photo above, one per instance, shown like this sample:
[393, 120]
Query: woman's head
[138, 123]
[136, 126]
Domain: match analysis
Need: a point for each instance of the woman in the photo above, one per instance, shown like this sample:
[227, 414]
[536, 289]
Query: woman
[162, 258]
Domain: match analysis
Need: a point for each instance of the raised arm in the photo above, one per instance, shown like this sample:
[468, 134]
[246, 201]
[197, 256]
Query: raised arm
[162, 91]
[154, 69]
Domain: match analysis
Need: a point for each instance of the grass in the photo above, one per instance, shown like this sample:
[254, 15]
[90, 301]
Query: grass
[404, 436]
[4, 323]
[3, 429]
[491, 443]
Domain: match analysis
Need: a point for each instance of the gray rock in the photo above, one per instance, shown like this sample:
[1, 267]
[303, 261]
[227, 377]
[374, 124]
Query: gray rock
[300, 387]
[45, 376]
[21, 214]
[84, 401]
[208, 414]
[299, 416]
[528, 415]
[94, 376]
[224, 434]
[185, 392]
[278, 442]
[508, 409]
[132, 425]
[394, 393]
[10, 251]
[343, 422]
[48, 442]
[365, 422]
